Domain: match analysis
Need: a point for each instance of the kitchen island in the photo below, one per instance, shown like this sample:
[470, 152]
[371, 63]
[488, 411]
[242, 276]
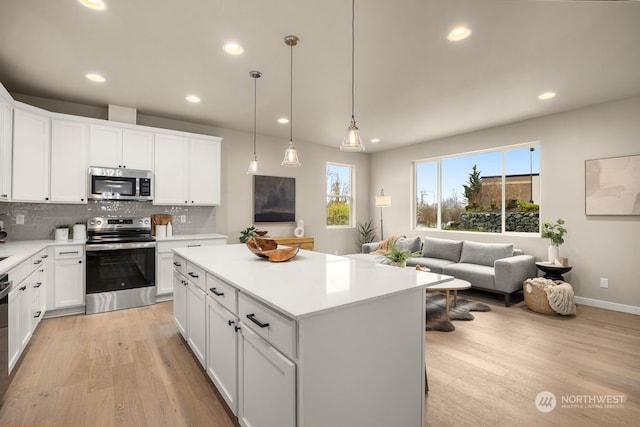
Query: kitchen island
[320, 340]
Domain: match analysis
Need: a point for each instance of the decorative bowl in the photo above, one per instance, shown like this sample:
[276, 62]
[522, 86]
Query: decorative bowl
[258, 246]
[262, 232]
[282, 254]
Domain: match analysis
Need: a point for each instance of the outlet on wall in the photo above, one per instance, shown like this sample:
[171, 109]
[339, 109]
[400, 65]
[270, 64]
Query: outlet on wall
[19, 219]
[604, 282]
[183, 219]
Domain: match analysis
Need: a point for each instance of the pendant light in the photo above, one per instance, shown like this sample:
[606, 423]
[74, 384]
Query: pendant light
[254, 167]
[351, 141]
[291, 155]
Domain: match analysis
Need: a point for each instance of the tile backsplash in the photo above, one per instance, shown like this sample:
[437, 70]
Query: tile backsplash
[41, 219]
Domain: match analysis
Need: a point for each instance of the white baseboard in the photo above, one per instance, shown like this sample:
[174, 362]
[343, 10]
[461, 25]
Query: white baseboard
[608, 305]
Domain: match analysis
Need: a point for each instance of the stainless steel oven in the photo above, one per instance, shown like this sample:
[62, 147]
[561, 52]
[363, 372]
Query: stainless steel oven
[5, 378]
[121, 264]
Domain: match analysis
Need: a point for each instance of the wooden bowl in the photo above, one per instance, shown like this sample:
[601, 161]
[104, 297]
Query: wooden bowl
[259, 246]
[262, 232]
[282, 254]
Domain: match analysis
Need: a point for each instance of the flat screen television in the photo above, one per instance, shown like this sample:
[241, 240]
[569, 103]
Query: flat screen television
[274, 199]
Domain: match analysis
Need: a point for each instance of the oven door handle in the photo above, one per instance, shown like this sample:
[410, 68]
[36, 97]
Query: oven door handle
[116, 246]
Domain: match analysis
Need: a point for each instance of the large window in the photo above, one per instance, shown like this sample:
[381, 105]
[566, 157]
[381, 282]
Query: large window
[339, 195]
[494, 191]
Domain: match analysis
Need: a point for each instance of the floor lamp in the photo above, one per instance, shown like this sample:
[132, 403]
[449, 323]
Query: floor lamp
[382, 201]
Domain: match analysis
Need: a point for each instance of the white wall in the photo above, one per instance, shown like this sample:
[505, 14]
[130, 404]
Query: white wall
[596, 246]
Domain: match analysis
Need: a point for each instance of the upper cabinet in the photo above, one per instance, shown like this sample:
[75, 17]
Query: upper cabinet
[31, 138]
[117, 147]
[187, 170]
[6, 131]
[69, 141]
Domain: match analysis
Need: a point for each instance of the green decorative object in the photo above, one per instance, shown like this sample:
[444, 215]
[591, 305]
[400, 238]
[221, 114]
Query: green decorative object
[554, 231]
[366, 232]
[247, 233]
[397, 256]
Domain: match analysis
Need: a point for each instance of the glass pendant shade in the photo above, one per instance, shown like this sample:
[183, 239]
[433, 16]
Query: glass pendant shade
[254, 166]
[290, 156]
[352, 141]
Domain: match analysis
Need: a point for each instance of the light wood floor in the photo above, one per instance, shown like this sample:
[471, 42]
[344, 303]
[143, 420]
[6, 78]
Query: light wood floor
[130, 368]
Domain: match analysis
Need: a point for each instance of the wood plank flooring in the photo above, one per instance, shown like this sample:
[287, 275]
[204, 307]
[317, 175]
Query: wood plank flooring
[130, 368]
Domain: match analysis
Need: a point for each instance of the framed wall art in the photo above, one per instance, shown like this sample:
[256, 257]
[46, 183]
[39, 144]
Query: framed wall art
[612, 186]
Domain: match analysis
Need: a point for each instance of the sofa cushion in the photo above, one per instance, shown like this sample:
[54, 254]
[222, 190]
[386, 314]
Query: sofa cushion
[480, 276]
[484, 253]
[434, 264]
[411, 244]
[442, 249]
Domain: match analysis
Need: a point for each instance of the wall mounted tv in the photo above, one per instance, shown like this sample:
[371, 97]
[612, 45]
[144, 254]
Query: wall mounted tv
[274, 199]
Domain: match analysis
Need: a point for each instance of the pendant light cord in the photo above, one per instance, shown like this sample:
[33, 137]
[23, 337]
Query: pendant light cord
[353, 44]
[291, 99]
[255, 112]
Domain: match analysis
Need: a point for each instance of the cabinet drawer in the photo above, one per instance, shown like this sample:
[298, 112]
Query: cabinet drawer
[196, 275]
[270, 325]
[222, 292]
[20, 272]
[69, 251]
[180, 264]
[168, 245]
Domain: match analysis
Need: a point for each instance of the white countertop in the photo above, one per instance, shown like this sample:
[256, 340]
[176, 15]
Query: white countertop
[21, 250]
[192, 237]
[310, 283]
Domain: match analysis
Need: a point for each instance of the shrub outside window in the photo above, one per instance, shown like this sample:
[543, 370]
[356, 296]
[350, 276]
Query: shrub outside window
[340, 195]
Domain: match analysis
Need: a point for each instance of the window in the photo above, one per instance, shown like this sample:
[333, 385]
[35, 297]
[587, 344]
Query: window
[339, 195]
[494, 191]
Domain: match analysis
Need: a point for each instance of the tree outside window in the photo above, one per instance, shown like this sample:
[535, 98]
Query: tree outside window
[339, 195]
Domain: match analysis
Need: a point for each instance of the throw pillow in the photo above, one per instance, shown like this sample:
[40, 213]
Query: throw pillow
[485, 253]
[442, 249]
[411, 244]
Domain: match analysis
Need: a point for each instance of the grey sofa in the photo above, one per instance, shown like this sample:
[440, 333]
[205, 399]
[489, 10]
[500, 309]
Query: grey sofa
[493, 267]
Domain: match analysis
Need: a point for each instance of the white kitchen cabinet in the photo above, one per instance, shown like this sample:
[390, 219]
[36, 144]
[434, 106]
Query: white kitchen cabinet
[39, 289]
[267, 383]
[31, 137]
[119, 147]
[69, 163]
[68, 276]
[6, 138]
[180, 287]
[196, 321]
[187, 170]
[222, 351]
[164, 258]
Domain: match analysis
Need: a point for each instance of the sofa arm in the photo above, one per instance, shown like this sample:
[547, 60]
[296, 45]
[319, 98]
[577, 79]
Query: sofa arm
[367, 248]
[512, 271]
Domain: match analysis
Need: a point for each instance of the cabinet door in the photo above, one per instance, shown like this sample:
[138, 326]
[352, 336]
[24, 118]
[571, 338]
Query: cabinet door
[197, 321]
[204, 172]
[69, 282]
[105, 146]
[26, 313]
[170, 170]
[68, 161]
[137, 150]
[180, 303]
[222, 352]
[30, 157]
[164, 273]
[14, 326]
[267, 384]
[6, 137]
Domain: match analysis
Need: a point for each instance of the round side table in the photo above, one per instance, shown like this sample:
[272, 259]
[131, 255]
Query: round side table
[553, 271]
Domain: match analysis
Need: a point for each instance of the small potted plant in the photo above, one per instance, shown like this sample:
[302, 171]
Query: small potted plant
[62, 232]
[397, 256]
[554, 231]
[247, 233]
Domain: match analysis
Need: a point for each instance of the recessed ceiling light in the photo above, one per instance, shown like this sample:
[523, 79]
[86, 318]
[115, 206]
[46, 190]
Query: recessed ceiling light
[93, 4]
[192, 98]
[94, 77]
[546, 95]
[233, 48]
[459, 33]
[375, 140]
[283, 120]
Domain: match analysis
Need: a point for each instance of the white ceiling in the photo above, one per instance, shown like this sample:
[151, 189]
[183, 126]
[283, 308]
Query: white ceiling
[411, 84]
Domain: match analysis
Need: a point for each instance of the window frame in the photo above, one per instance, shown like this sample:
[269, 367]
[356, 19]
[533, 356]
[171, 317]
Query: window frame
[351, 196]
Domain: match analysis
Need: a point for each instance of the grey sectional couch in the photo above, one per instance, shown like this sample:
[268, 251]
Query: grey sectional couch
[493, 267]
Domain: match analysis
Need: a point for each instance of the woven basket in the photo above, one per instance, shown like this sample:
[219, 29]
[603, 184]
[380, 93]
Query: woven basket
[535, 297]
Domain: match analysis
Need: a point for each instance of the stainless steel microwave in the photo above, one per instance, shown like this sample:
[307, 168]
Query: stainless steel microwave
[120, 184]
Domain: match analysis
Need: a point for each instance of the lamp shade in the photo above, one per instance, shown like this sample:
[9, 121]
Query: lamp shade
[383, 201]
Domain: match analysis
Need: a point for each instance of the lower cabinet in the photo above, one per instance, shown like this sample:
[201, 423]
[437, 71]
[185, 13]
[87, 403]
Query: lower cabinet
[222, 351]
[69, 276]
[267, 382]
[180, 287]
[196, 321]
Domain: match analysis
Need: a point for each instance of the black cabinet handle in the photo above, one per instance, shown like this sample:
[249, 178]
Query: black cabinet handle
[193, 246]
[216, 292]
[184, 282]
[230, 322]
[194, 275]
[177, 264]
[68, 252]
[80, 262]
[38, 261]
[252, 317]
[37, 285]
[23, 288]
[44, 256]
[38, 313]
[237, 328]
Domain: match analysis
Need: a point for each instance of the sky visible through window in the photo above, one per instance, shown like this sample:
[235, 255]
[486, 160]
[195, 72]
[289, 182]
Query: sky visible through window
[342, 172]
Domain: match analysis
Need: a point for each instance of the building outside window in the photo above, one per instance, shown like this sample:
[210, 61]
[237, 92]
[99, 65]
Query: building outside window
[493, 191]
[340, 211]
